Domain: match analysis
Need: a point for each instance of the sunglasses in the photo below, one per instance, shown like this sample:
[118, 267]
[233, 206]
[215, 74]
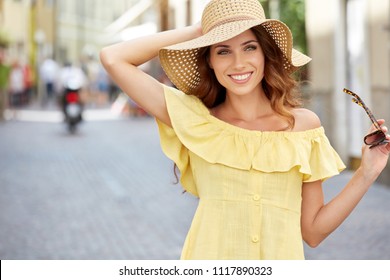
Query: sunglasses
[378, 137]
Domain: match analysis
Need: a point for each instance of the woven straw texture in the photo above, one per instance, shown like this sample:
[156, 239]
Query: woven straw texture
[221, 21]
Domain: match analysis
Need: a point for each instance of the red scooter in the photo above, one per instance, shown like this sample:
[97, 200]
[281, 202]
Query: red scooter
[72, 105]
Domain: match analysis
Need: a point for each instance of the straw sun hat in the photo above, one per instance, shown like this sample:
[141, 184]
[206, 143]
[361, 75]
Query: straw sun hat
[221, 21]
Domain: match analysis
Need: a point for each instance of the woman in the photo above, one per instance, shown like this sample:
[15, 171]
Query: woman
[235, 130]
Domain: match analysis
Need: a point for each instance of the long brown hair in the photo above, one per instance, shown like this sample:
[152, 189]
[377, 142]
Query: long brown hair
[278, 83]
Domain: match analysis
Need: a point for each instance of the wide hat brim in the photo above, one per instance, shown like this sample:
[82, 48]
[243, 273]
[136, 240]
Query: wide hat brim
[179, 61]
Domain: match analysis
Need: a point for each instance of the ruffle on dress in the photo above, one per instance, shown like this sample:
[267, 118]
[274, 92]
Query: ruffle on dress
[195, 130]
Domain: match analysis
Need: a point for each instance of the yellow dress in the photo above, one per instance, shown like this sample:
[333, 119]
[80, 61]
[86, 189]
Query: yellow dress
[248, 182]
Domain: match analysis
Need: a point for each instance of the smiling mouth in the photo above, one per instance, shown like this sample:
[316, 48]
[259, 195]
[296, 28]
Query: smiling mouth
[241, 78]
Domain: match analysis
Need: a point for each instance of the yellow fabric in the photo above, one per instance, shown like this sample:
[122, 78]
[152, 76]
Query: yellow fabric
[248, 182]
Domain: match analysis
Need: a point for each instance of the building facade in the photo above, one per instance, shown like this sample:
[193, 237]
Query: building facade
[29, 25]
[349, 43]
[81, 26]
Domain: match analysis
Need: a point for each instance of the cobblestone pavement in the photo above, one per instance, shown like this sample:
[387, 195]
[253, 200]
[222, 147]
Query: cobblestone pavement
[107, 192]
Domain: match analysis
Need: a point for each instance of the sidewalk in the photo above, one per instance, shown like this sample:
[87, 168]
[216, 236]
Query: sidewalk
[99, 194]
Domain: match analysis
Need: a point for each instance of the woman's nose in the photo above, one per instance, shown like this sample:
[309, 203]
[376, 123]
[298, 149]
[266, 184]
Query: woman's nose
[238, 60]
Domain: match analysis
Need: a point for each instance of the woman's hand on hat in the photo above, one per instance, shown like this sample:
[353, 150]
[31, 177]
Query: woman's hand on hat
[198, 27]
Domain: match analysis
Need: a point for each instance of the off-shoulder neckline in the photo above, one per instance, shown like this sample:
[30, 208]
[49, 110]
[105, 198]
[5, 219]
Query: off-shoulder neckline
[238, 129]
[241, 130]
[248, 132]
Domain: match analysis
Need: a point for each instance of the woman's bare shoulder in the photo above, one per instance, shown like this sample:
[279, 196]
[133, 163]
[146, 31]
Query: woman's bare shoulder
[305, 119]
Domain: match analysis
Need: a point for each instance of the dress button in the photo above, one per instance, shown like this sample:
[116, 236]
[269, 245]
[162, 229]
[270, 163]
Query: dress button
[256, 197]
[255, 238]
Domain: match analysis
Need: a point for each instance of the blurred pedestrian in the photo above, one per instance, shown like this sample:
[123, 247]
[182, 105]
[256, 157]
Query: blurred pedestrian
[16, 85]
[103, 83]
[113, 90]
[238, 134]
[49, 71]
[97, 79]
[71, 75]
[28, 78]
[4, 78]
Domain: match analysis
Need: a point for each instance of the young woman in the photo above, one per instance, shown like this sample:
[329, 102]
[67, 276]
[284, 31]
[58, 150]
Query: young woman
[236, 131]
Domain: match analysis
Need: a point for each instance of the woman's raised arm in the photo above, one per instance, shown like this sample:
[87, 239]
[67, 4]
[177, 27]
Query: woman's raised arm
[121, 61]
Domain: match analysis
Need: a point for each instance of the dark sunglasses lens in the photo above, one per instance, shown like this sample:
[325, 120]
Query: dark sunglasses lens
[375, 137]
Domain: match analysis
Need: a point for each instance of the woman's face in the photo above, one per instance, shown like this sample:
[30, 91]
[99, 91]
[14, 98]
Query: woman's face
[238, 63]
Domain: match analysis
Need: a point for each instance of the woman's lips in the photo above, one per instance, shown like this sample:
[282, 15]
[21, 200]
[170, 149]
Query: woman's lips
[241, 78]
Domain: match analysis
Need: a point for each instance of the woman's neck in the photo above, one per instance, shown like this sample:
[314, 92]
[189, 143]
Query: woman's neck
[246, 108]
[252, 112]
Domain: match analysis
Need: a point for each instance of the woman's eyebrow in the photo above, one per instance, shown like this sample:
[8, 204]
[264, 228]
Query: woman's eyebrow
[250, 41]
[222, 46]
[243, 44]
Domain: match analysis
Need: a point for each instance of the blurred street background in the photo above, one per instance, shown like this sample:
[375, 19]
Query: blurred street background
[107, 191]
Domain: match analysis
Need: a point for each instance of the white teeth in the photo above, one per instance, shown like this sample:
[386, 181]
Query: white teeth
[240, 77]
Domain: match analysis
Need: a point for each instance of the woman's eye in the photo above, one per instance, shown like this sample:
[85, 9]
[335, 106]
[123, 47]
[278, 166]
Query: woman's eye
[223, 52]
[251, 48]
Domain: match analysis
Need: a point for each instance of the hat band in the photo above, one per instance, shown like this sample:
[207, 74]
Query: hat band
[228, 20]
